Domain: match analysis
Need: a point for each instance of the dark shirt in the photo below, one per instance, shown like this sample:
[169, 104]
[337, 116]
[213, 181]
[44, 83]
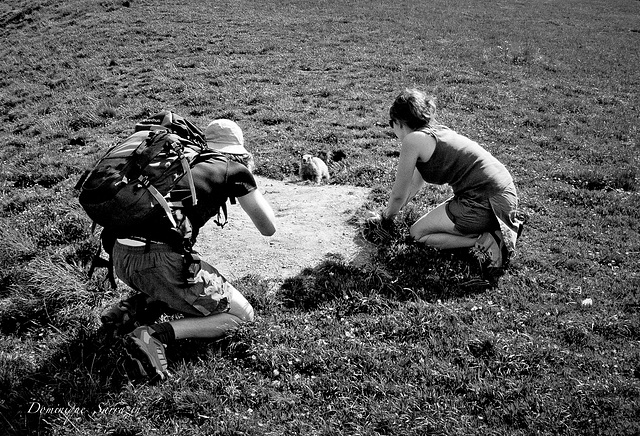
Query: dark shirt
[216, 180]
[463, 164]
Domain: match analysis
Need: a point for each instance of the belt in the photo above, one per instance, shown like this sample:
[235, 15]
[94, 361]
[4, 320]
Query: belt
[136, 242]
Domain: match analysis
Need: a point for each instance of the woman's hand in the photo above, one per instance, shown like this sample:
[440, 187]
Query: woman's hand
[377, 228]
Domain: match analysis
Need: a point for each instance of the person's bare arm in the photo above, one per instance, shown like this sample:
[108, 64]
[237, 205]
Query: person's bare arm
[416, 184]
[260, 212]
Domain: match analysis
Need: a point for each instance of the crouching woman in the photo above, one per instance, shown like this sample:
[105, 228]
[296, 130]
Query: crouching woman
[482, 212]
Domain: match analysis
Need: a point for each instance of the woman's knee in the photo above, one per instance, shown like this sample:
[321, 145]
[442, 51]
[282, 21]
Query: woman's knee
[422, 228]
[416, 233]
[436, 221]
[436, 240]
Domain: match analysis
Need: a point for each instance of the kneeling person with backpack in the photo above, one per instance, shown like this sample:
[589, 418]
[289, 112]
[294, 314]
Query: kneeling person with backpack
[154, 262]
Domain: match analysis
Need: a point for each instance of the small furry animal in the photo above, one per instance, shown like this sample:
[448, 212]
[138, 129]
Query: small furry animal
[313, 168]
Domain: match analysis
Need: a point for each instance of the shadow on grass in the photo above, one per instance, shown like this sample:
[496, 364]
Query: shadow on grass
[77, 381]
[81, 369]
[399, 270]
[76, 378]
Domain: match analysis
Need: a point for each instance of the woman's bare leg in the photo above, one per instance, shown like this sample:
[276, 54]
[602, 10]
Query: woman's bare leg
[437, 230]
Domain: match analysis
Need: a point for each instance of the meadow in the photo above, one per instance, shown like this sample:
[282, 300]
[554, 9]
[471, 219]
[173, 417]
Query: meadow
[399, 347]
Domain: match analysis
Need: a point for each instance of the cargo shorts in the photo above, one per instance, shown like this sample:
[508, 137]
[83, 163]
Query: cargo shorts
[158, 271]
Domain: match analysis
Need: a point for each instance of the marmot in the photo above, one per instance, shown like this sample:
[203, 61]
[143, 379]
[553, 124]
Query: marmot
[313, 168]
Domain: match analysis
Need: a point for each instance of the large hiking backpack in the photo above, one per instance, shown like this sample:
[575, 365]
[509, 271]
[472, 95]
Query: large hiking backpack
[174, 123]
[133, 184]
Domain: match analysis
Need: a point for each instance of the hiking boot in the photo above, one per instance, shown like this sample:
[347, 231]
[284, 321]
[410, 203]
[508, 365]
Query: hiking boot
[124, 316]
[120, 317]
[490, 250]
[146, 353]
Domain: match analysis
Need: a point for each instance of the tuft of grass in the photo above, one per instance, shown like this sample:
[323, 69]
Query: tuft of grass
[593, 180]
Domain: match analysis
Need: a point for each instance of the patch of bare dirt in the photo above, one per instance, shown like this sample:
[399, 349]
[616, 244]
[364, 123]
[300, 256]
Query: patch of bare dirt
[312, 223]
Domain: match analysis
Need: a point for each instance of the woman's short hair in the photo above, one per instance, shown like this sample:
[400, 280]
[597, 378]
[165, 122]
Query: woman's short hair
[413, 108]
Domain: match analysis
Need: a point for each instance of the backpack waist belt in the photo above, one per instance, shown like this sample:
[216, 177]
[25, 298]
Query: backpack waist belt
[137, 242]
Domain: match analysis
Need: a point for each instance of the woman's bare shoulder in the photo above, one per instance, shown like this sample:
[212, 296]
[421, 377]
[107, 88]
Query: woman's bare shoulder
[419, 137]
[423, 142]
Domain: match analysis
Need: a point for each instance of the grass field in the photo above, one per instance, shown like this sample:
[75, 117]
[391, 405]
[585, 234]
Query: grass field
[396, 348]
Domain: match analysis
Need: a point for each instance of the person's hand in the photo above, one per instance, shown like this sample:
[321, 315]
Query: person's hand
[372, 215]
[378, 219]
[376, 228]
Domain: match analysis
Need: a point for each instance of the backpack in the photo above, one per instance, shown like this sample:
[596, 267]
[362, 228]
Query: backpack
[174, 123]
[132, 184]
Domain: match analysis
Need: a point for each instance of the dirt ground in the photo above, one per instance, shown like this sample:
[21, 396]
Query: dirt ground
[312, 222]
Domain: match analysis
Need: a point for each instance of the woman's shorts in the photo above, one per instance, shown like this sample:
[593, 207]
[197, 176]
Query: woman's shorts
[471, 216]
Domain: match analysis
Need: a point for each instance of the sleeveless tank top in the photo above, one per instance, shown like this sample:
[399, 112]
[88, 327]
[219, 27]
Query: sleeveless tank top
[463, 164]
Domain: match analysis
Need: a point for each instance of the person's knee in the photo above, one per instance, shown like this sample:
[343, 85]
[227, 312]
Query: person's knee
[242, 310]
[421, 234]
[244, 313]
[248, 315]
[433, 240]
[416, 233]
[430, 240]
[238, 305]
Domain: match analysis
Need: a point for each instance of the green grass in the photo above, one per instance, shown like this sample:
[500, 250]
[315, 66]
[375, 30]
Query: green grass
[396, 347]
